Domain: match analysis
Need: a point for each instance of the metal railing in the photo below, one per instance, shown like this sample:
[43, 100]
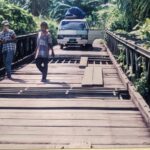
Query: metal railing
[133, 54]
[25, 48]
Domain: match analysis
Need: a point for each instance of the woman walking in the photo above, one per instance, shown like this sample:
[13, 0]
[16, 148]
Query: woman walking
[44, 44]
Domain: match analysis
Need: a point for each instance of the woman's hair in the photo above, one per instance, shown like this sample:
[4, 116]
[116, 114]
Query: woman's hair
[44, 24]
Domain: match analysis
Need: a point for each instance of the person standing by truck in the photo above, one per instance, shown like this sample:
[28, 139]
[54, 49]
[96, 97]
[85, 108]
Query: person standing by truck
[44, 44]
[8, 43]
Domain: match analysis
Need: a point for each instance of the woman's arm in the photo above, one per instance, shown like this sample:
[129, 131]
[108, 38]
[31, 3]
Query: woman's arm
[36, 53]
[50, 44]
[51, 47]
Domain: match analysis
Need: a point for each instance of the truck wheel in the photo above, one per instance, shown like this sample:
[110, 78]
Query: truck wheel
[61, 46]
[82, 47]
[89, 46]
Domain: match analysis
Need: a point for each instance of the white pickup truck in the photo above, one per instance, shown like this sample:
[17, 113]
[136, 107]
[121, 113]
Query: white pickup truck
[76, 32]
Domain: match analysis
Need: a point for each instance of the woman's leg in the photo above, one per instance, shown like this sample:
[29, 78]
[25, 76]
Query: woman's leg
[39, 64]
[45, 68]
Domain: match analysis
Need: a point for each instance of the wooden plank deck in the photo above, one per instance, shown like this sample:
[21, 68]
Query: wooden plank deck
[90, 120]
[23, 129]
[60, 76]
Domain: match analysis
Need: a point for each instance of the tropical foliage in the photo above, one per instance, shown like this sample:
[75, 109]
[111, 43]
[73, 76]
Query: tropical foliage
[125, 15]
[20, 20]
[60, 7]
[57, 8]
[116, 15]
[36, 7]
[137, 8]
[142, 30]
[134, 10]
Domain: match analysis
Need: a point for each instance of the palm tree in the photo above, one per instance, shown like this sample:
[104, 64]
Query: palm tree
[143, 9]
[134, 10]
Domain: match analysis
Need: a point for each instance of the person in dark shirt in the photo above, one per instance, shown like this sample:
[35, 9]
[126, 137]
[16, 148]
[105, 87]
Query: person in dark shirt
[44, 44]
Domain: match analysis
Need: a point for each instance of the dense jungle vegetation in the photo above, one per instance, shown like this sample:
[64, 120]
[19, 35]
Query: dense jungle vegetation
[130, 17]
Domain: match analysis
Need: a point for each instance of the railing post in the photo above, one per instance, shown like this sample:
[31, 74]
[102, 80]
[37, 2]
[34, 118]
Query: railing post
[24, 47]
[27, 45]
[137, 65]
[132, 58]
[127, 58]
[148, 71]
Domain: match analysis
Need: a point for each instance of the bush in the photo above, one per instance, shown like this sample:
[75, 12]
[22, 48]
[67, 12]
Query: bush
[142, 85]
[20, 20]
[144, 29]
[106, 17]
[121, 23]
[110, 17]
[142, 32]
[121, 57]
[93, 21]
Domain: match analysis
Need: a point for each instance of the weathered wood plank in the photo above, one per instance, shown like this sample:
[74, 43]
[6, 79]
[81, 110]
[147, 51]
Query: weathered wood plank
[98, 76]
[88, 77]
[83, 62]
[66, 145]
[66, 103]
[107, 101]
[95, 140]
[60, 146]
[43, 111]
[40, 84]
[74, 131]
[71, 123]
[33, 146]
[104, 66]
[69, 115]
[92, 77]
[72, 116]
[121, 146]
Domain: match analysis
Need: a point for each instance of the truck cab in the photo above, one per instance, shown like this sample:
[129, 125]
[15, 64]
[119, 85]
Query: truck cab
[72, 32]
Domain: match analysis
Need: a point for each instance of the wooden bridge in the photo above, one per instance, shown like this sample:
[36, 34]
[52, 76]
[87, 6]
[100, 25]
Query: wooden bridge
[88, 101]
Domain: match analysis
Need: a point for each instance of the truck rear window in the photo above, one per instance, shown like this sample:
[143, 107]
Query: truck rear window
[73, 25]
